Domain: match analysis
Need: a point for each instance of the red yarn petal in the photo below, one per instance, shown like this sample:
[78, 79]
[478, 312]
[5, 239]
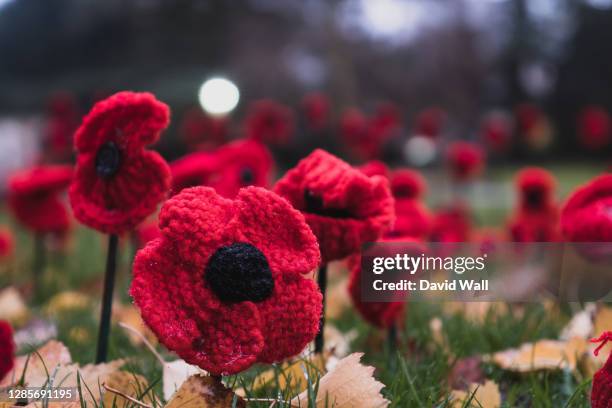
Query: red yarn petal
[271, 224]
[197, 219]
[122, 202]
[40, 180]
[131, 120]
[7, 349]
[41, 215]
[187, 318]
[291, 317]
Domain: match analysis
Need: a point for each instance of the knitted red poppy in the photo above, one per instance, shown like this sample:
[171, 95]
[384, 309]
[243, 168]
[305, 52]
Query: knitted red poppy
[199, 130]
[147, 232]
[316, 110]
[452, 224]
[223, 287]
[465, 160]
[7, 243]
[34, 198]
[269, 122]
[7, 349]
[496, 131]
[586, 215]
[192, 170]
[537, 216]
[594, 127]
[601, 393]
[62, 121]
[430, 122]
[374, 168]
[344, 207]
[118, 183]
[367, 136]
[412, 217]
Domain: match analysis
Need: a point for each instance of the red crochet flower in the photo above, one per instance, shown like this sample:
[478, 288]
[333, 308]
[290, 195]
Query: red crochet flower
[228, 169]
[601, 393]
[269, 122]
[7, 349]
[147, 232]
[199, 130]
[366, 137]
[374, 168]
[62, 121]
[223, 287]
[452, 224]
[117, 182]
[465, 160]
[344, 207]
[496, 131]
[430, 122]
[316, 110]
[412, 217]
[34, 198]
[594, 127]
[587, 214]
[7, 243]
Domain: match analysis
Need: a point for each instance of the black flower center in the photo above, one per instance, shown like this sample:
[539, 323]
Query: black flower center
[239, 272]
[246, 176]
[314, 205]
[534, 198]
[108, 160]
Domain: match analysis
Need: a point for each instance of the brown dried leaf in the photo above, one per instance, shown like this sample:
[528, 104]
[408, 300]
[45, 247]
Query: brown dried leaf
[127, 383]
[203, 392]
[542, 355]
[49, 356]
[348, 384]
[175, 373]
[484, 396]
[67, 301]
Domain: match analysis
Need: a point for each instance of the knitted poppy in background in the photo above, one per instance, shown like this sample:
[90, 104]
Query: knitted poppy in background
[465, 160]
[380, 314]
[270, 122]
[430, 122]
[496, 131]
[343, 206]
[367, 136]
[353, 125]
[240, 164]
[316, 110]
[147, 232]
[192, 170]
[594, 127]
[7, 243]
[601, 392]
[533, 126]
[7, 349]
[374, 168]
[537, 215]
[62, 121]
[34, 198]
[224, 286]
[118, 183]
[412, 217]
[199, 130]
[452, 224]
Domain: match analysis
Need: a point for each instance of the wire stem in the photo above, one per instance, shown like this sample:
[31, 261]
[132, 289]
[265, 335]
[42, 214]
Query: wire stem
[107, 299]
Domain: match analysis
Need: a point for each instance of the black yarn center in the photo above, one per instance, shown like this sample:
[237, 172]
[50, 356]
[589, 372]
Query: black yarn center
[239, 272]
[108, 160]
[534, 198]
[246, 176]
[314, 205]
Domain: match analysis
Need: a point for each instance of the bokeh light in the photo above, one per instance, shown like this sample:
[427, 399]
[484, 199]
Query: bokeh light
[219, 96]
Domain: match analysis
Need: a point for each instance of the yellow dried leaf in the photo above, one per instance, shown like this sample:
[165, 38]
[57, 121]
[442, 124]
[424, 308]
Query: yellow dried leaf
[67, 301]
[483, 396]
[203, 392]
[542, 355]
[13, 307]
[129, 315]
[348, 384]
[127, 383]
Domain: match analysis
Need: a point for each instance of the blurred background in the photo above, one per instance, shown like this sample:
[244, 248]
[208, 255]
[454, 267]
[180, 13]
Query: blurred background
[528, 79]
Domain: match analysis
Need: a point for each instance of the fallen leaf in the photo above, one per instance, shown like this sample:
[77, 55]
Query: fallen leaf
[127, 383]
[13, 307]
[483, 396]
[337, 343]
[204, 392]
[349, 384]
[39, 363]
[542, 355]
[67, 301]
[337, 299]
[581, 325]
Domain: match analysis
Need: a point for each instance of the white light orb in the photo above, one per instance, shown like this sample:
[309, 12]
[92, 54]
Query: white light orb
[218, 96]
[420, 150]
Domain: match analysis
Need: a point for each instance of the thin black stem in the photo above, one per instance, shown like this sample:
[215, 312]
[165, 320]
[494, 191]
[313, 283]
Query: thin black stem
[322, 280]
[107, 299]
[40, 260]
[392, 340]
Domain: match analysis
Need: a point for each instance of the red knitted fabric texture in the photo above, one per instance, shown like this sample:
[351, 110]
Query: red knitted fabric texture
[199, 130]
[374, 168]
[465, 160]
[352, 208]
[34, 198]
[451, 224]
[269, 122]
[412, 217]
[594, 127]
[316, 110]
[178, 304]
[7, 243]
[601, 393]
[147, 232]
[130, 121]
[233, 166]
[536, 218]
[7, 349]
[365, 136]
